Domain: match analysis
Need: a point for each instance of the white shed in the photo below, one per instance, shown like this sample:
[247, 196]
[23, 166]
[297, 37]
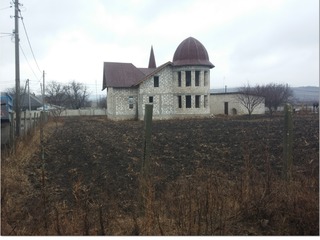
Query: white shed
[228, 104]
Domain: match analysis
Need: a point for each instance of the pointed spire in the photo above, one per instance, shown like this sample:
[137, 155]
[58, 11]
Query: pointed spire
[152, 60]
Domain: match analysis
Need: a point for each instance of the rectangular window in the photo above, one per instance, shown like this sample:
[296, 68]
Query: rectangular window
[151, 99]
[188, 101]
[197, 101]
[179, 79]
[131, 102]
[197, 80]
[156, 81]
[206, 74]
[205, 101]
[188, 78]
[179, 102]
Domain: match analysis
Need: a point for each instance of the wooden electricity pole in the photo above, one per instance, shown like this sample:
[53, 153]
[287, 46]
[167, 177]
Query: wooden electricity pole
[17, 66]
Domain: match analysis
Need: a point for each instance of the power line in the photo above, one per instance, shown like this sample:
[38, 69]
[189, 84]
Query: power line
[28, 62]
[5, 8]
[2, 34]
[25, 30]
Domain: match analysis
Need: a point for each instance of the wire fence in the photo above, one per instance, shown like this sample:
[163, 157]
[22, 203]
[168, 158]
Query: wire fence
[30, 120]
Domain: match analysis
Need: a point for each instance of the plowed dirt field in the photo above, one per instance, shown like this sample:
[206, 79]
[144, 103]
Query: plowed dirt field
[92, 166]
[107, 155]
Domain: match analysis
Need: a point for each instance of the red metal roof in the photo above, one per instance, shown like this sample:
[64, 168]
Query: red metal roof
[191, 52]
[147, 71]
[120, 75]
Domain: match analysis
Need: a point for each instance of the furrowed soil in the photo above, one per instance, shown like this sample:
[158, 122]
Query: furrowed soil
[218, 176]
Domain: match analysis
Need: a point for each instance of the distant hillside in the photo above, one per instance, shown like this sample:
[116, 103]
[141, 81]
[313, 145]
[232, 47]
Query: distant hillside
[304, 94]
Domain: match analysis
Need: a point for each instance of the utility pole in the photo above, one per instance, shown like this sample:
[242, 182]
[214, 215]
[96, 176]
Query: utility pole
[17, 65]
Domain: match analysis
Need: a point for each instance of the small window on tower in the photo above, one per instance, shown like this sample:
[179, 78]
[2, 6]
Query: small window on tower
[151, 99]
[188, 78]
[188, 101]
[197, 80]
[156, 81]
[205, 101]
[179, 79]
[197, 101]
[206, 76]
[179, 102]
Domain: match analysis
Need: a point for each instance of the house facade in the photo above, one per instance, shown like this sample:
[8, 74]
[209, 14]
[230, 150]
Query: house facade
[177, 89]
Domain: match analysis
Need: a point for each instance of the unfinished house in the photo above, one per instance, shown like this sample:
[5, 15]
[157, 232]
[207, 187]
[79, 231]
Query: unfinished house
[177, 89]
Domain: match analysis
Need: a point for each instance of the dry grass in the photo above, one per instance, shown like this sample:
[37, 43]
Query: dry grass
[210, 204]
[17, 192]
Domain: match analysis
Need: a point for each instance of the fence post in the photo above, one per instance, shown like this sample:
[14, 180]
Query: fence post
[147, 139]
[12, 128]
[34, 121]
[37, 119]
[146, 188]
[288, 142]
[24, 123]
[30, 123]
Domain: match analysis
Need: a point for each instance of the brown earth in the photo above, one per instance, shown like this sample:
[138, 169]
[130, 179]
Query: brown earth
[92, 184]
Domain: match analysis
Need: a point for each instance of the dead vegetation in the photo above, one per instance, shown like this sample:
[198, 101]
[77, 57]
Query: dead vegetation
[209, 177]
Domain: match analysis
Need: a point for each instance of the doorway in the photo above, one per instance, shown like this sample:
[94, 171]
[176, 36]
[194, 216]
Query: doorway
[226, 108]
[234, 111]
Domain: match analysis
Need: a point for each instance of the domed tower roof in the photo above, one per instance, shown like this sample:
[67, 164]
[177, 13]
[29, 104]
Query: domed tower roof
[191, 52]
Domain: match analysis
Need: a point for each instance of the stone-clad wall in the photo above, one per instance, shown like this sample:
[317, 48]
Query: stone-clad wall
[162, 95]
[165, 97]
[202, 90]
[110, 102]
[118, 103]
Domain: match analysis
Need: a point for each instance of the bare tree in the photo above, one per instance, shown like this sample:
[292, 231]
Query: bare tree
[73, 95]
[76, 95]
[55, 94]
[12, 90]
[275, 95]
[249, 98]
[102, 103]
[56, 113]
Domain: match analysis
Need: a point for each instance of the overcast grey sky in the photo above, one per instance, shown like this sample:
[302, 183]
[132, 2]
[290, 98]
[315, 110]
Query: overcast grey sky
[248, 41]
